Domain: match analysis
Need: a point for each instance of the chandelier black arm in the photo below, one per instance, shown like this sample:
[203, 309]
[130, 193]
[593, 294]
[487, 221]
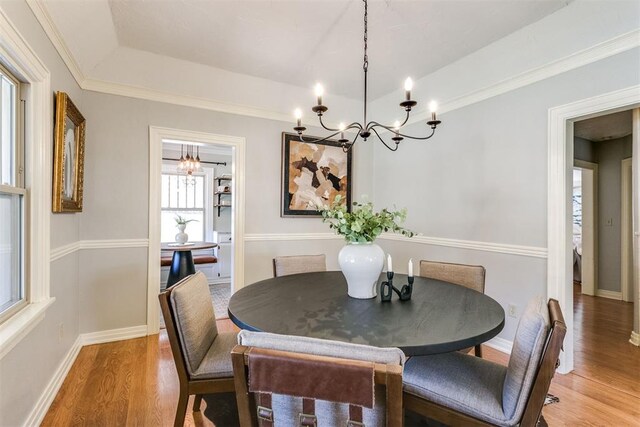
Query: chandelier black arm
[351, 126]
[373, 122]
[382, 140]
[433, 131]
[351, 144]
[318, 140]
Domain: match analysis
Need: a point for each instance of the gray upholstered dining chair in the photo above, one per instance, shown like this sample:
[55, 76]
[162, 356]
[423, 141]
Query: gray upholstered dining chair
[286, 265]
[201, 354]
[459, 389]
[293, 380]
[469, 276]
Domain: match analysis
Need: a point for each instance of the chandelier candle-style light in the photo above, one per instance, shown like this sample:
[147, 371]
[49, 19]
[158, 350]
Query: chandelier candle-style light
[365, 129]
[189, 164]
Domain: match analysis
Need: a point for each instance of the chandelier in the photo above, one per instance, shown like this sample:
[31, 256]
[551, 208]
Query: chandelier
[366, 129]
[189, 164]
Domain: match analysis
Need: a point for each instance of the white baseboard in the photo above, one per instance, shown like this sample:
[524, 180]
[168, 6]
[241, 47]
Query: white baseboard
[609, 294]
[219, 281]
[635, 338]
[114, 335]
[46, 398]
[500, 344]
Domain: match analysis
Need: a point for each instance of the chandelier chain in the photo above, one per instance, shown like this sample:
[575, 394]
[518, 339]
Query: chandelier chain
[365, 65]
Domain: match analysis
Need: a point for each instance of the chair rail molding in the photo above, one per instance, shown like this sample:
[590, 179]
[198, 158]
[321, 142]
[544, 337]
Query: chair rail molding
[68, 249]
[237, 143]
[529, 251]
[559, 190]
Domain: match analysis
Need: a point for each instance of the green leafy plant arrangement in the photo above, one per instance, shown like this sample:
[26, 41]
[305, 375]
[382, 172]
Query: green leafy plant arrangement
[363, 224]
[180, 220]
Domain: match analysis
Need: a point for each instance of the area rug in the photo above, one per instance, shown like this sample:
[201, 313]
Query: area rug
[222, 409]
[220, 294]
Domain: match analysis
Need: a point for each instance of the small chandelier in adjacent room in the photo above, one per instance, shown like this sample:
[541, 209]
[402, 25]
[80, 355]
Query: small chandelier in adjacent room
[189, 163]
[366, 129]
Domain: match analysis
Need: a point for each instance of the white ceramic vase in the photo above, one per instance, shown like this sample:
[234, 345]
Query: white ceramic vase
[361, 264]
[182, 237]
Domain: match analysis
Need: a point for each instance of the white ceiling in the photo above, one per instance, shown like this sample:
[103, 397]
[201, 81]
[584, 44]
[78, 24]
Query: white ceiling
[604, 128]
[301, 42]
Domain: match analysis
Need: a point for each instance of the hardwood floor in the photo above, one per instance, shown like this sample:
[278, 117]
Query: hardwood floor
[134, 382]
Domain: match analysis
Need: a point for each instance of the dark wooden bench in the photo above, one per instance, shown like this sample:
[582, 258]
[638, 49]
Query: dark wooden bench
[165, 261]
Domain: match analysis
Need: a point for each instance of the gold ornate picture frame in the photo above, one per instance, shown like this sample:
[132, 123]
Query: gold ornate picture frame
[68, 156]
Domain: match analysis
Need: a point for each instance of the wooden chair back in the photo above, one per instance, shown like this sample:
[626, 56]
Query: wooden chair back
[469, 276]
[292, 364]
[286, 265]
[547, 367]
[172, 333]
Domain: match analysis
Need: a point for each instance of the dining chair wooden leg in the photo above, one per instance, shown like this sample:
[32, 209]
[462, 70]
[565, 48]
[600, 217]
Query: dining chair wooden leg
[478, 351]
[196, 402]
[181, 410]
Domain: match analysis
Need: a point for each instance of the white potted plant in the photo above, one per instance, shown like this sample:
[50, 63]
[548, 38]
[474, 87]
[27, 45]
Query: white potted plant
[181, 223]
[361, 260]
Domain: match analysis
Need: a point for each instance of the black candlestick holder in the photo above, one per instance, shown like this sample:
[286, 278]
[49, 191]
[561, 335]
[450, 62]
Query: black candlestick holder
[387, 289]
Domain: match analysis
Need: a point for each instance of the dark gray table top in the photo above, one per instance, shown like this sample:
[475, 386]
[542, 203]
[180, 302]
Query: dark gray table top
[440, 317]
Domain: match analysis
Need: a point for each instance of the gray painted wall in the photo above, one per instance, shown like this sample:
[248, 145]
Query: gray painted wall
[609, 156]
[583, 149]
[122, 214]
[27, 369]
[484, 177]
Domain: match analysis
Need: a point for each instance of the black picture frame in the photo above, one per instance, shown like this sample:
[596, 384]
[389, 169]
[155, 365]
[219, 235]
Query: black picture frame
[286, 196]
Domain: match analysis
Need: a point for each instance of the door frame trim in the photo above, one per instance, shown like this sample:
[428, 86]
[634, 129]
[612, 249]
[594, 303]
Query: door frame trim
[237, 143]
[559, 190]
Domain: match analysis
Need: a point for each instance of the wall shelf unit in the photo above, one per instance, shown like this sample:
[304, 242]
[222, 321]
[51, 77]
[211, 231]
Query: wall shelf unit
[221, 201]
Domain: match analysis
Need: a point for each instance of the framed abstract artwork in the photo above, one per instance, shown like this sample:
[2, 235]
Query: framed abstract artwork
[313, 174]
[68, 156]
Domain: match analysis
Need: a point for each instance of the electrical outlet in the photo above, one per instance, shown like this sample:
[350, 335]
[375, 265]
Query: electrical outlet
[512, 310]
[60, 332]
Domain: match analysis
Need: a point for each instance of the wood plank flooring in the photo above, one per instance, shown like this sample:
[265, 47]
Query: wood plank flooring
[134, 382]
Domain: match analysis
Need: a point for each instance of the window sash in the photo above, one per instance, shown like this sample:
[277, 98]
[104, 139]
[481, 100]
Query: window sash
[16, 160]
[17, 279]
[12, 183]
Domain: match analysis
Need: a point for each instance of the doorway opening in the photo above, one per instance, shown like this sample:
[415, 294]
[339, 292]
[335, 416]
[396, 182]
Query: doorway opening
[205, 201]
[559, 205]
[195, 215]
[602, 253]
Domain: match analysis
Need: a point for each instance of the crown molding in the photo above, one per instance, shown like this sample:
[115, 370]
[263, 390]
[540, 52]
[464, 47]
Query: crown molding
[167, 97]
[614, 46]
[586, 56]
[44, 18]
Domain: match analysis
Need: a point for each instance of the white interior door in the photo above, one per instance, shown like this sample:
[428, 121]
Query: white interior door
[589, 229]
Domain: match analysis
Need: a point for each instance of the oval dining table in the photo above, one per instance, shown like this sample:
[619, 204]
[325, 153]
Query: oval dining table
[440, 317]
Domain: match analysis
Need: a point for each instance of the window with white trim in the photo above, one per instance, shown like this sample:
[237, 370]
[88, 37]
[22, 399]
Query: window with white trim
[184, 196]
[13, 291]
